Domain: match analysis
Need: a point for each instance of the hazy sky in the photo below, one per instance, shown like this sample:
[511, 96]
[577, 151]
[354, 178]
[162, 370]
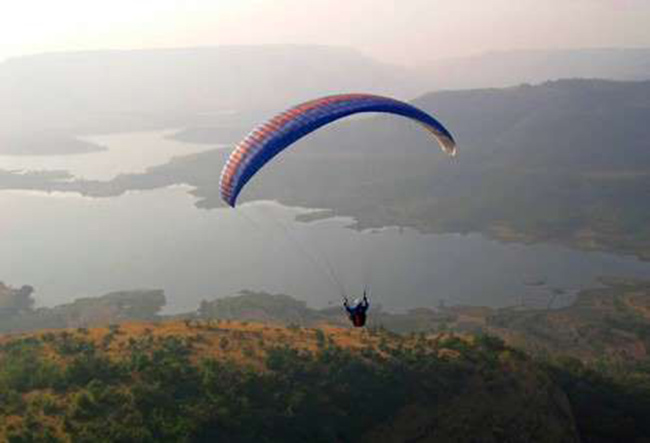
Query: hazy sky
[402, 31]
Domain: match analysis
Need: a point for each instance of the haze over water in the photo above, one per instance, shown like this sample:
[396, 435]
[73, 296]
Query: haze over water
[68, 246]
[130, 152]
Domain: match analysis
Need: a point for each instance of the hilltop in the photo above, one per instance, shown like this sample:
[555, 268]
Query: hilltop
[266, 367]
[611, 322]
[240, 382]
[214, 380]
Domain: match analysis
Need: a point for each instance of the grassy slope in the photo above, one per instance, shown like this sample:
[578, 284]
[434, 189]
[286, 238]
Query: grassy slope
[233, 381]
[610, 322]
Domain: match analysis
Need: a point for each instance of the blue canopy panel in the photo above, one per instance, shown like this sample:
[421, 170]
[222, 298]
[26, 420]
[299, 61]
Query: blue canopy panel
[272, 137]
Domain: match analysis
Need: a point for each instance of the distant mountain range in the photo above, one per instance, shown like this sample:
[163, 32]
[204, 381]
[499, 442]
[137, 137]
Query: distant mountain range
[44, 97]
[117, 90]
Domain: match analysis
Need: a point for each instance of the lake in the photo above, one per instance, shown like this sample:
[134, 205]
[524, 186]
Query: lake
[68, 246]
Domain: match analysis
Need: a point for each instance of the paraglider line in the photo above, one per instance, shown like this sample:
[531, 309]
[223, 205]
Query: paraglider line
[323, 265]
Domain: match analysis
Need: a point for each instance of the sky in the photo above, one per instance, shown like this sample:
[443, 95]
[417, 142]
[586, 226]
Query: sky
[409, 32]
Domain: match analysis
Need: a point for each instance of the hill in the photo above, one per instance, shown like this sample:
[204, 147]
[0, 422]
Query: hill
[17, 313]
[580, 373]
[47, 99]
[242, 382]
[239, 382]
[610, 322]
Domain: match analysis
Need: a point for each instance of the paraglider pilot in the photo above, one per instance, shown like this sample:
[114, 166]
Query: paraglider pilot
[357, 312]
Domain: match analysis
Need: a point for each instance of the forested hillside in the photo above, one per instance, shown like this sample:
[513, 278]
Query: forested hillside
[244, 382]
[239, 382]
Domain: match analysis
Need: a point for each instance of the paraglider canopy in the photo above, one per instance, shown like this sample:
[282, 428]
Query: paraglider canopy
[270, 138]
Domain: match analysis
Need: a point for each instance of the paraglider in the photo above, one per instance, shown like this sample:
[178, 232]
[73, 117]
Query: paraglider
[357, 312]
[272, 137]
[280, 132]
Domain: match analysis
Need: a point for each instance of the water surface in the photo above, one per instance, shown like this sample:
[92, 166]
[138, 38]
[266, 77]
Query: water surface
[68, 246]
